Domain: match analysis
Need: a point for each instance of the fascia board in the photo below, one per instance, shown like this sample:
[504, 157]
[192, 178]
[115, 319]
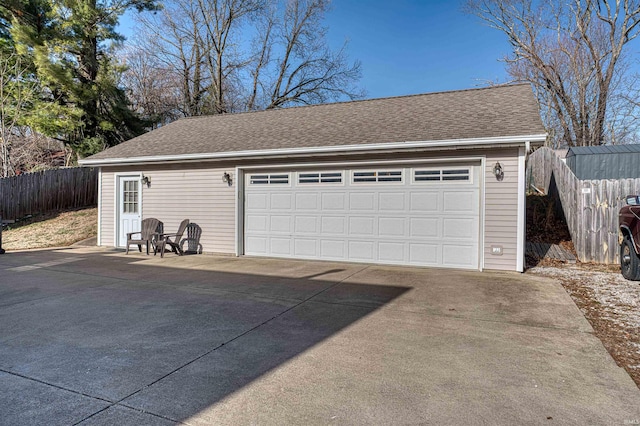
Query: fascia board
[504, 141]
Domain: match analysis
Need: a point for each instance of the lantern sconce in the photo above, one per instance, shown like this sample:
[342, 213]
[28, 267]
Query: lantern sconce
[226, 178]
[498, 172]
[146, 180]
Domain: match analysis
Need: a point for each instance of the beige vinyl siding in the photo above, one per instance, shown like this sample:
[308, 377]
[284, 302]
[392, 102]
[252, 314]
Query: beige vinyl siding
[501, 210]
[182, 192]
[196, 191]
[107, 209]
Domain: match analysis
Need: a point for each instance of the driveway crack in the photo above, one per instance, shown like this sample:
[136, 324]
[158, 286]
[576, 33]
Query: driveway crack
[42, 382]
[120, 401]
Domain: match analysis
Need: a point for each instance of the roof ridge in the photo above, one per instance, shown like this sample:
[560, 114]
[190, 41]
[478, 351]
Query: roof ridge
[354, 101]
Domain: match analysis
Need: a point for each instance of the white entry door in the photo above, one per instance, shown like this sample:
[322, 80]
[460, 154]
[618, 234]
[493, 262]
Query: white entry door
[129, 209]
[420, 215]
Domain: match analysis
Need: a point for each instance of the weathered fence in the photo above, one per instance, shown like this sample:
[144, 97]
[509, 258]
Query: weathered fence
[590, 206]
[48, 190]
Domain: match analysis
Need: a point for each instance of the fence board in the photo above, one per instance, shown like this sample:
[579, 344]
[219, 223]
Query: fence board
[590, 206]
[48, 190]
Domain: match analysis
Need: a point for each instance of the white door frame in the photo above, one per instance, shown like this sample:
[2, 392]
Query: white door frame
[240, 184]
[116, 208]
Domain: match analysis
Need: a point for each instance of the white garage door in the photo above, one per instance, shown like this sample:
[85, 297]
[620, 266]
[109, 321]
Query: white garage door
[406, 215]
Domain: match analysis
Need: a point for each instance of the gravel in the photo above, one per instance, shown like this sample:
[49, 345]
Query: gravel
[610, 303]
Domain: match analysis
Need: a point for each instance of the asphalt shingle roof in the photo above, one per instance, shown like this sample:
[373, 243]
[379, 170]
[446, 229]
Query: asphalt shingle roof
[465, 114]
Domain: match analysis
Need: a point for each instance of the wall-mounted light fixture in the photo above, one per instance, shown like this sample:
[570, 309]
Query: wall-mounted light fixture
[497, 171]
[146, 180]
[226, 178]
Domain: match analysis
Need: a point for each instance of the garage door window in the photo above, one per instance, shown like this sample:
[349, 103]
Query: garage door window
[269, 179]
[373, 176]
[319, 177]
[442, 175]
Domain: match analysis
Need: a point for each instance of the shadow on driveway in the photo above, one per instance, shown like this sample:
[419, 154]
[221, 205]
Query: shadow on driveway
[95, 333]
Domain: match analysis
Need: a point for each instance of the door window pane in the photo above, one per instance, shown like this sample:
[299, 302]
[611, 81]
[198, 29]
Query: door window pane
[130, 196]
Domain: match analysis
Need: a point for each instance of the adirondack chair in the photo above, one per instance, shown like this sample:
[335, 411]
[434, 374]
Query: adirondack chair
[192, 240]
[147, 235]
[171, 240]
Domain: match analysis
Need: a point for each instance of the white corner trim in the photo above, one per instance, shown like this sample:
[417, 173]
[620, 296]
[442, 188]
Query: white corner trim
[99, 237]
[521, 238]
[462, 143]
[239, 217]
[483, 210]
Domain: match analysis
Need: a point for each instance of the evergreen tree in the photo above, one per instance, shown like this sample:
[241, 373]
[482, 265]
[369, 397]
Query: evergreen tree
[69, 42]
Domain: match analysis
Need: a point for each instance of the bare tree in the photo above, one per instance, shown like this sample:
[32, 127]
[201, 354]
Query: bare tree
[220, 19]
[571, 52]
[17, 92]
[309, 72]
[171, 40]
[151, 87]
[195, 41]
[237, 55]
[32, 152]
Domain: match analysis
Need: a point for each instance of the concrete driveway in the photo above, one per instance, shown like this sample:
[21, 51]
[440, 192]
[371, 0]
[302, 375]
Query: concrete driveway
[94, 337]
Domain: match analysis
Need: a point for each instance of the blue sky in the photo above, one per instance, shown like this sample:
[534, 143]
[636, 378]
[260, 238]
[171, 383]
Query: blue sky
[413, 46]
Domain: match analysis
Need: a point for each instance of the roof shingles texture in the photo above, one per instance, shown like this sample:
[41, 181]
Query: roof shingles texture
[466, 114]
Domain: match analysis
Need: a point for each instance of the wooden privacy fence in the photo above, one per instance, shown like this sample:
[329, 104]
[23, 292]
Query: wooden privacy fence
[49, 190]
[590, 206]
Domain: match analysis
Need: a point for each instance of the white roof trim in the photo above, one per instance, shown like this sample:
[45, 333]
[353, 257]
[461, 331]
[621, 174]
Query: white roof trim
[320, 150]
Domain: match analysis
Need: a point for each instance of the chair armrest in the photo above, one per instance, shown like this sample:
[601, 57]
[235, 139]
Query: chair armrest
[129, 234]
[164, 236]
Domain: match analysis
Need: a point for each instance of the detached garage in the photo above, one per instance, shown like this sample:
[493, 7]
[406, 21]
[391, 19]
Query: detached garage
[426, 180]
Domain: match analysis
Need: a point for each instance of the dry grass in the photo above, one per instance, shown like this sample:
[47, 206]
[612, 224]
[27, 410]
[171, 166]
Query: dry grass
[609, 302]
[51, 230]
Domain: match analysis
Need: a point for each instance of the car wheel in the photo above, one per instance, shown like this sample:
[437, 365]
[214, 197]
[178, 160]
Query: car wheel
[629, 261]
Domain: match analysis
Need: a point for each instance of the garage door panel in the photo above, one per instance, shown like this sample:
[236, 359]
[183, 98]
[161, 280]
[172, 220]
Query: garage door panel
[391, 226]
[257, 201]
[257, 245]
[424, 254]
[362, 226]
[459, 255]
[280, 224]
[333, 225]
[281, 246]
[361, 250]
[459, 201]
[280, 202]
[305, 247]
[391, 252]
[362, 202]
[425, 201]
[257, 223]
[333, 201]
[307, 201]
[460, 227]
[333, 249]
[412, 222]
[425, 227]
[391, 201]
[306, 225]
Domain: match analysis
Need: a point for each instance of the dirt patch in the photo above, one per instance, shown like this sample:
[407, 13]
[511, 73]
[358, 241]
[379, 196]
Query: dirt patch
[609, 302]
[51, 230]
[546, 222]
